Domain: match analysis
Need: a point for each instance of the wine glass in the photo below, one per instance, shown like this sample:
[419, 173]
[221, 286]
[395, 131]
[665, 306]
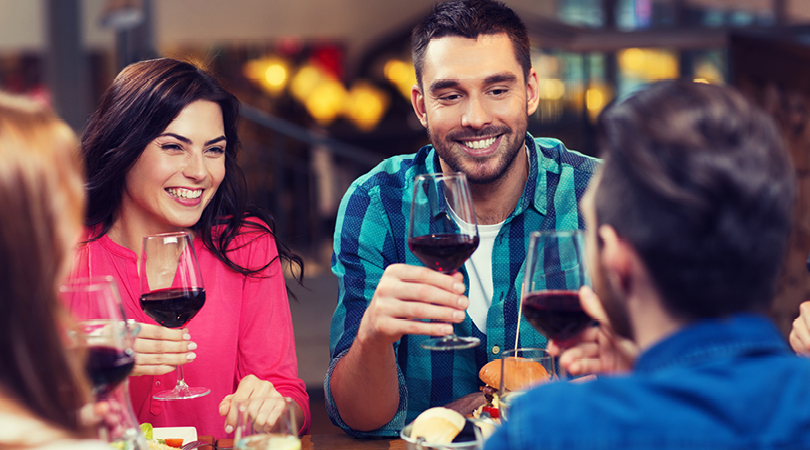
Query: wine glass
[555, 270]
[94, 303]
[522, 369]
[281, 434]
[443, 233]
[172, 293]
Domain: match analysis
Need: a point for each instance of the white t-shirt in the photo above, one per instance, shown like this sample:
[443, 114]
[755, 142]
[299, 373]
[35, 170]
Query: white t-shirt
[479, 271]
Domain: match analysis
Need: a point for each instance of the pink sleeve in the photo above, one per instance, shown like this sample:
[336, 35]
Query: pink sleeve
[266, 340]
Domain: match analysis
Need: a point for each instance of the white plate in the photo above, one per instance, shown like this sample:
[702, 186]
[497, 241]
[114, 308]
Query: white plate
[187, 434]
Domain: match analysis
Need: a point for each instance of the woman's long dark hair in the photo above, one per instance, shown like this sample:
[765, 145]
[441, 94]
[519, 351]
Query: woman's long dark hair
[141, 103]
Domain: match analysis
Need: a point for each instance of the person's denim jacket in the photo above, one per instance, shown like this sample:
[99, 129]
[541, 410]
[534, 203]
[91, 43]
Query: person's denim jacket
[717, 384]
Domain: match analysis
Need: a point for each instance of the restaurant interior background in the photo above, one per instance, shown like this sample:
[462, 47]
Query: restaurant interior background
[325, 86]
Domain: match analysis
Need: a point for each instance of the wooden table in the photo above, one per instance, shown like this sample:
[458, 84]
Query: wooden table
[335, 442]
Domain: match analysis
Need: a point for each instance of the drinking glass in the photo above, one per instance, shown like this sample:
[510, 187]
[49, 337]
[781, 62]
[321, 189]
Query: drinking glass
[172, 293]
[443, 233]
[555, 270]
[281, 434]
[537, 367]
[94, 303]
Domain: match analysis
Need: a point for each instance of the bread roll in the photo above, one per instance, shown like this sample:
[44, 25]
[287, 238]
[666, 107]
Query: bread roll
[438, 425]
[520, 373]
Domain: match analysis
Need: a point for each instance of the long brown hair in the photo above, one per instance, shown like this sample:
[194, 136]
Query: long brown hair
[42, 204]
[141, 102]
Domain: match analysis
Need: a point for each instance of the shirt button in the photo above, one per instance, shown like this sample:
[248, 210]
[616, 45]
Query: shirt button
[495, 349]
[157, 383]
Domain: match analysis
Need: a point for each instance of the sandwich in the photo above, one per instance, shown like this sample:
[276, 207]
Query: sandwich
[521, 374]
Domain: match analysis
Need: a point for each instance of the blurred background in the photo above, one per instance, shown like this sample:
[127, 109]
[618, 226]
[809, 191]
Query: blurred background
[325, 86]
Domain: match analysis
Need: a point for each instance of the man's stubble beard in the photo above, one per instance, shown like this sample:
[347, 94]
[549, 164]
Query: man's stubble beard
[460, 162]
[612, 302]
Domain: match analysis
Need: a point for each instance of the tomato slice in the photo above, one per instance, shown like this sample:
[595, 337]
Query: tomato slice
[492, 411]
[174, 442]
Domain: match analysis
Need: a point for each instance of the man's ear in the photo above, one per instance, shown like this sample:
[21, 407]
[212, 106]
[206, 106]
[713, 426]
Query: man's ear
[418, 103]
[532, 92]
[616, 258]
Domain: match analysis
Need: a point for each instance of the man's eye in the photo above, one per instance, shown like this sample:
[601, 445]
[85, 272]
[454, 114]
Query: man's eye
[498, 91]
[450, 97]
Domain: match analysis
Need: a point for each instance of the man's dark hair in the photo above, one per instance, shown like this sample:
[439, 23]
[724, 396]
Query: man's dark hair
[470, 19]
[698, 180]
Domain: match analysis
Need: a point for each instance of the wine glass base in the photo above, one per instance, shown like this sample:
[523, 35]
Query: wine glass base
[181, 394]
[451, 343]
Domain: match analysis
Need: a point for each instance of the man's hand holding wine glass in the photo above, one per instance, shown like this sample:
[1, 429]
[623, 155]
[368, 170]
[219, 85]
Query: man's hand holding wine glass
[597, 349]
[408, 292]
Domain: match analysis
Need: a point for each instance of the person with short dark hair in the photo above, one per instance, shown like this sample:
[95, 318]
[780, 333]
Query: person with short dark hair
[160, 153]
[688, 224]
[476, 89]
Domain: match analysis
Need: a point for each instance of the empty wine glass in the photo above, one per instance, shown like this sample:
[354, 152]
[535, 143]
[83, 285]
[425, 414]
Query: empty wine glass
[278, 434]
[443, 233]
[172, 293]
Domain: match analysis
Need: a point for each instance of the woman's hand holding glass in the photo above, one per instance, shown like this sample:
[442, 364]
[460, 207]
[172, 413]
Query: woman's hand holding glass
[172, 293]
[266, 423]
[159, 350]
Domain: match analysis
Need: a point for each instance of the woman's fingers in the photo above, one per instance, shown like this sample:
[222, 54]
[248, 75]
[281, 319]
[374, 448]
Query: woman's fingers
[158, 350]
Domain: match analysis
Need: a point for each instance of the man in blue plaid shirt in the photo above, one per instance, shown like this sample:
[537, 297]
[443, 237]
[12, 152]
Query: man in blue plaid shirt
[476, 89]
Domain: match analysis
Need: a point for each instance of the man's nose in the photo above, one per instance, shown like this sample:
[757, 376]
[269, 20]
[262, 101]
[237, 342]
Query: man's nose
[476, 115]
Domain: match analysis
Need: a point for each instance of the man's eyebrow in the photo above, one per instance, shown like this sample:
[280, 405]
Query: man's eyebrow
[505, 77]
[442, 84]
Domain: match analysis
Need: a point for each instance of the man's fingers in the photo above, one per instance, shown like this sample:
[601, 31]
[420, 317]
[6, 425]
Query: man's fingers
[421, 292]
[406, 326]
[423, 275]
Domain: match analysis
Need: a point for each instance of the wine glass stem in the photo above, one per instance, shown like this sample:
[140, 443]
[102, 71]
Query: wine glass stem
[181, 380]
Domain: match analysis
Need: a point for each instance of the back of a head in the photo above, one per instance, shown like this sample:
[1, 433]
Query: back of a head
[470, 19]
[698, 180]
[42, 201]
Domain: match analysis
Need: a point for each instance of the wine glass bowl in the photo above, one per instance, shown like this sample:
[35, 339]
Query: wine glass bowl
[172, 293]
[94, 303]
[443, 234]
[555, 271]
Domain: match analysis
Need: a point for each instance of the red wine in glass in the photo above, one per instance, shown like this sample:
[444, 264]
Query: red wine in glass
[108, 367]
[443, 234]
[556, 313]
[443, 253]
[173, 307]
[172, 293]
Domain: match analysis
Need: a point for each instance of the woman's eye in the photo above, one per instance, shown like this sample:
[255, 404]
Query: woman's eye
[171, 147]
[217, 150]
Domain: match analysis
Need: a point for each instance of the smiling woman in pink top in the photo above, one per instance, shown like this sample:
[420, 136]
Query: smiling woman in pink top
[160, 155]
